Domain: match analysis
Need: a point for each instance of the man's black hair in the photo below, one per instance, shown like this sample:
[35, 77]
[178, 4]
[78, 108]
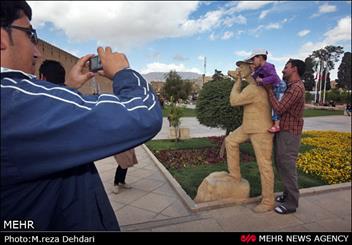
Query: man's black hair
[11, 11]
[301, 66]
[53, 71]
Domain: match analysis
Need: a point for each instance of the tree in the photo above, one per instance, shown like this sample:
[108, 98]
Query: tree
[218, 76]
[324, 60]
[187, 87]
[308, 77]
[213, 106]
[176, 88]
[327, 79]
[330, 54]
[344, 72]
[174, 116]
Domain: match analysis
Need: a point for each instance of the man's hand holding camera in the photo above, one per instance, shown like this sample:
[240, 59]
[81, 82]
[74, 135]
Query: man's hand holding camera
[112, 62]
[77, 77]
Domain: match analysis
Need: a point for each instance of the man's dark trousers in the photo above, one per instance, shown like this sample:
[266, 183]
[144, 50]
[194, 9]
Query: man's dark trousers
[286, 147]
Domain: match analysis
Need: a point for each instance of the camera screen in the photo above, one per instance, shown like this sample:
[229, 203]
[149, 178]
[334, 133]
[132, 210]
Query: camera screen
[95, 63]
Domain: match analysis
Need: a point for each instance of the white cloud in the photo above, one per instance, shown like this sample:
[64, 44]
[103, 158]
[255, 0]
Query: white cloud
[256, 31]
[303, 33]
[160, 67]
[227, 35]
[324, 9]
[340, 33]
[124, 24]
[242, 53]
[205, 23]
[273, 26]
[229, 21]
[308, 48]
[277, 7]
[263, 14]
[259, 29]
[249, 5]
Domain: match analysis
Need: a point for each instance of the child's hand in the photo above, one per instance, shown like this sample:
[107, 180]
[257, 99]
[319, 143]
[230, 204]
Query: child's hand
[259, 80]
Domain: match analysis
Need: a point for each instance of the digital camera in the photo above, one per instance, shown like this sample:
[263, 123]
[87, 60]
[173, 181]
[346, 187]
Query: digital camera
[95, 64]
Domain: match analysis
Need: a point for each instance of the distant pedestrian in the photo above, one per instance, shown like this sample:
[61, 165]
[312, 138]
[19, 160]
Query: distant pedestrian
[348, 110]
[125, 160]
[161, 100]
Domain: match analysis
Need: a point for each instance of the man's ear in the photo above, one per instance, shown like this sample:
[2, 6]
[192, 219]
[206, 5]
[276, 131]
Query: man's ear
[5, 39]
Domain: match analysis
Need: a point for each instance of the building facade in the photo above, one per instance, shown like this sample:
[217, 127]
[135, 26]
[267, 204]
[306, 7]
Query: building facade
[51, 52]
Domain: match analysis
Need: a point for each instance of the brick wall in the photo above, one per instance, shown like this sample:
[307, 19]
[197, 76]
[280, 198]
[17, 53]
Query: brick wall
[67, 60]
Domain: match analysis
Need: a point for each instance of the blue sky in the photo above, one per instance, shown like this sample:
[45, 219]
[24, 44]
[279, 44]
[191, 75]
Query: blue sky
[160, 36]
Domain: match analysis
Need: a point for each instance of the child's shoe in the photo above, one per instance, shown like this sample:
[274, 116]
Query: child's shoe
[274, 129]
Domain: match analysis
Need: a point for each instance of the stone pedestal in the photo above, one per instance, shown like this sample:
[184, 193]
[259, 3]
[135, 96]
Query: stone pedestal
[220, 185]
[184, 133]
[172, 133]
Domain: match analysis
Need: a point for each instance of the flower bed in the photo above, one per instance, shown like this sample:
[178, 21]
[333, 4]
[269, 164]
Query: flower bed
[324, 158]
[330, 159]
[192, 157]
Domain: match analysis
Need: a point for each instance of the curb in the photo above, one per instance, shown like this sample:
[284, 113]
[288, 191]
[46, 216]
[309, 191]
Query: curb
[174, 184]
[196, 207]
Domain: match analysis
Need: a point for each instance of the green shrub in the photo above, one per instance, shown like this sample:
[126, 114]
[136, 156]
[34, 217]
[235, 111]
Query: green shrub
[308, 97]
[213, 107]
[338, 96]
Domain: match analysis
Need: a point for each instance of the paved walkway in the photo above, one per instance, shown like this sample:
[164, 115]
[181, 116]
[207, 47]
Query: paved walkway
[336, 123]
[153, 205]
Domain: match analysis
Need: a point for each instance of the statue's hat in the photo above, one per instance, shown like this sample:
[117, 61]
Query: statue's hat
[238, 63]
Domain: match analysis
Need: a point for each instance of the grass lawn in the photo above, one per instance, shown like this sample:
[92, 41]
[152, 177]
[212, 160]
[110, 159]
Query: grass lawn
[157, 145]
[187, 112]
[319, 113]
[191, 176]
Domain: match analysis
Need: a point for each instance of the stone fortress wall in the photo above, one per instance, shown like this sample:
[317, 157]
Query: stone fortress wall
[49, 51]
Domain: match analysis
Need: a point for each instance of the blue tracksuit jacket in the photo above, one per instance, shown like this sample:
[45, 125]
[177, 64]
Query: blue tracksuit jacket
[49, 134]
